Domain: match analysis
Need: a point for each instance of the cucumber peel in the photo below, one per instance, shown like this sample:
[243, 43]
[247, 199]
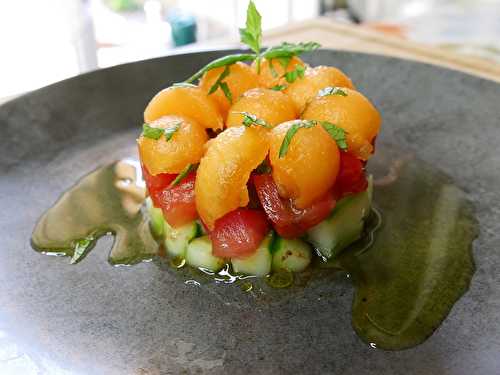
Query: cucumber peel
[156, 219]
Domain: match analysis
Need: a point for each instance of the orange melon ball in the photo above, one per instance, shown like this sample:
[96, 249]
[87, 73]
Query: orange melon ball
[273, 107]
[310, 166]
[223, 173]
[272, 71]
[354, 113]
[304, 89]
[185, 101]
[185, 147]
[240, 79]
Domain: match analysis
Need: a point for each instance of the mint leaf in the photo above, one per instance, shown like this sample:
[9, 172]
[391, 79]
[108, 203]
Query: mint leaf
[331, 91]
[292, 75]
[279, 87]
[156, 133]
[286, 49]
[150, 132]
[288, 138]
[337, 134]
[251, 35]
[222, 61]
[223, 85]
[169, 133]
[250, 119]
[284, 61]
[274, 73]
[227, 93]
[291, 132]
[214, 88]
[181, 176]
[81, 247]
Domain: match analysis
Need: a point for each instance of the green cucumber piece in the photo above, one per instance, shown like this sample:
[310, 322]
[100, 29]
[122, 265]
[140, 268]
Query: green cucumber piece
[344, 226]
[257, 264]
[292, 255]
[156, 219]
[177, 239]
[199, 255]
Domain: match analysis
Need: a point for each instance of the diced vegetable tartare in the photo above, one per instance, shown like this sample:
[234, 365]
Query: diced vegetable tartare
[258, 160]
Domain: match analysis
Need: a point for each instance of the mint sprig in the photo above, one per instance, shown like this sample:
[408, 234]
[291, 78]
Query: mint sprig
[151, 132]
[251, 35]
[336, 133]
[220, 62]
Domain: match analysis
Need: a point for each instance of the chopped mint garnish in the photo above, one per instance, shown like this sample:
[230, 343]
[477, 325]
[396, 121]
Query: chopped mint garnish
[279, 87]
[292, 75]
[181, 176]
[337, 134]
[150, 132]
[290, 134]
[81, 247]
[227, 93]
[250, 119]
[222, 85]
[156, 133]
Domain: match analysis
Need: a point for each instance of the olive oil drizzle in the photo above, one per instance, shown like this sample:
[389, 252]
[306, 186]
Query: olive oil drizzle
[108, 200]
[406, 277]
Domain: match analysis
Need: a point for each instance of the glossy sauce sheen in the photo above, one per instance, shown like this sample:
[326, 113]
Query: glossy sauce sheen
[108, 200]
[415, 268]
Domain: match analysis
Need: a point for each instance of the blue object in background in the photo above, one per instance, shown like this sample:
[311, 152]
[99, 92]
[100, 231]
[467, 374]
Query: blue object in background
[183, 27]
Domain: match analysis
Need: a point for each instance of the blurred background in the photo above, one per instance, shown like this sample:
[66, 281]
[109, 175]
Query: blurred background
[44, 41]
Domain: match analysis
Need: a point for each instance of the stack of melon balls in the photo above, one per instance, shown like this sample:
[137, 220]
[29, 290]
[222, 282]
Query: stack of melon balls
[207, 129]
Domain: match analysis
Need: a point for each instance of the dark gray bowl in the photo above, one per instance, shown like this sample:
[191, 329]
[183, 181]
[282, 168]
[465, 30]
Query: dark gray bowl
[96, 319]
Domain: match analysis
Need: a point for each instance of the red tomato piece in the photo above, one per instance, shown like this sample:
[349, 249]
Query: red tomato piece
[177, 202]
[239, 233]
[156, 183]
[287, 220]
[351, 178]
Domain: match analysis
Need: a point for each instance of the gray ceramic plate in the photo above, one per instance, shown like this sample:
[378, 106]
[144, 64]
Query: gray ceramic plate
[96, 319]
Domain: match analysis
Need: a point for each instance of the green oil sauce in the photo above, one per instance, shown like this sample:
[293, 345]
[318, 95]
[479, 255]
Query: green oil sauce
[408, 270]
[420, 261]
[108, 200]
